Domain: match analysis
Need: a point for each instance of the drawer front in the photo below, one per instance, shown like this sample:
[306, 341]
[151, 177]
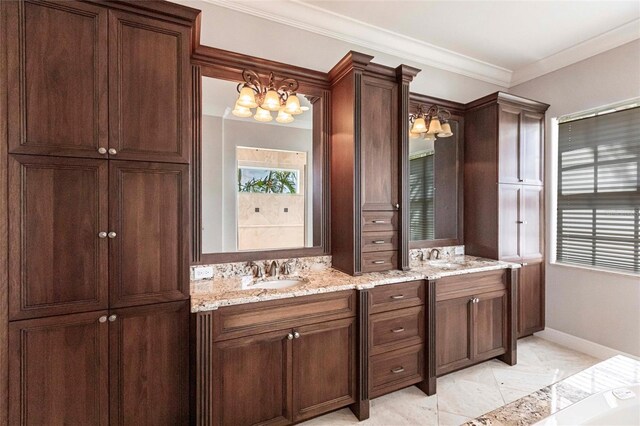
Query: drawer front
[379, 261]
[261, 317]
[379, 241]
[396, 296]
[396, 329]
[470, 284]
[394, 370]
[379, 221]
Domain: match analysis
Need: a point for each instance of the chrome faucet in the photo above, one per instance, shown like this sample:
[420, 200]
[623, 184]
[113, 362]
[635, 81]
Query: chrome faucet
[258, 270]
[431, 254]
[287, 267]
[273, 269]
[422, 256]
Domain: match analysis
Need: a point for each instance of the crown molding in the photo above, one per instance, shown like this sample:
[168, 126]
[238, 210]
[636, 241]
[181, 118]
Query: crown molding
[598, 44]
[316, 20]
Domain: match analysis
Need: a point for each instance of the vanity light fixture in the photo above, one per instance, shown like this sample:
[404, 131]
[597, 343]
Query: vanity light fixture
[267, 97]
[437, 119]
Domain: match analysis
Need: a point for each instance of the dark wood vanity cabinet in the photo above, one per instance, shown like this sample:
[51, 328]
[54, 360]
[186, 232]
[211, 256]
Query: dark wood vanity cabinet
[504, 192]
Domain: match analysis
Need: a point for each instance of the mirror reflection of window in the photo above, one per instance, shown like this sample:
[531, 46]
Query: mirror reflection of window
[421, 190]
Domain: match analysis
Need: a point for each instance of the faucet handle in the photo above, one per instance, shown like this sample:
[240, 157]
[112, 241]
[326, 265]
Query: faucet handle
[287, 266]
[258, 271]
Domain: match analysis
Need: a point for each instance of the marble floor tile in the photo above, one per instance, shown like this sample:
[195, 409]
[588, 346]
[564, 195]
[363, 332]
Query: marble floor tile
[450, 419]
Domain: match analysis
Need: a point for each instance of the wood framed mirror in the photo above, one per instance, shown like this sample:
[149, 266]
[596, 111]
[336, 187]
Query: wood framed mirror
[436, 180]
[260, 189]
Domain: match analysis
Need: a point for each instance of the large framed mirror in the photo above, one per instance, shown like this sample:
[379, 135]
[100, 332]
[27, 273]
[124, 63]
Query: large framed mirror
[436, 175]
[261, 188]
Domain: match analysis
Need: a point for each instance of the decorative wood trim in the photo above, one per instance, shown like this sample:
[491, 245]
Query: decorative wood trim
[511, 355]
[428, 386]
[357, 172]
[4, 237]
[196, 165]
[351, 61]
[456, 108]
[162, 10]
[361, 408]
[509, 99]
[202, 383]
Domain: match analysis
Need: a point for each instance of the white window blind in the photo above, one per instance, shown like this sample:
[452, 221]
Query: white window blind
[599, 191]
[421, 197]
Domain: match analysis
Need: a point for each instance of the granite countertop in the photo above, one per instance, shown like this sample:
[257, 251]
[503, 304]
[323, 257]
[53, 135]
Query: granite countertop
[616, 372]
[228, 289]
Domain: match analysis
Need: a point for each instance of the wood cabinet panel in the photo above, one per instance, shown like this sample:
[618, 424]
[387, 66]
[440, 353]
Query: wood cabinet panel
[531, 299]
[510, 197]
[58, 370]
[149, 365]
[509, 145]
[324, 367]
[58, 264]
[532, 147]
[393, 329]
[395, 370]
[532, 227]
[468, 285]
[149, 89]
[453, 334]
[149, 212]
[379, 261]
[396, 296]
[379, 141]
[490, 325]
[252, 379]
[379, 241]
[57, 79]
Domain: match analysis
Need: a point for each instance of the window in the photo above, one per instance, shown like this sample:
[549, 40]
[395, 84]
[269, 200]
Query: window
[598, 213]
[421, 196]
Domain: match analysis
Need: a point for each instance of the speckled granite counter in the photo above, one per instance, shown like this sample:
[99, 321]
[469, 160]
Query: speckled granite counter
[615, 372]
[232, 285]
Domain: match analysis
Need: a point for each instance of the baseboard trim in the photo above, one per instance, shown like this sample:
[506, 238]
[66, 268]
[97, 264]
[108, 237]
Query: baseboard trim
[581, 345]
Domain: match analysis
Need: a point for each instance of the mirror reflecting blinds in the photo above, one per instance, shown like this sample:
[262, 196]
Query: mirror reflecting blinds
[599, 191]
[422, 197]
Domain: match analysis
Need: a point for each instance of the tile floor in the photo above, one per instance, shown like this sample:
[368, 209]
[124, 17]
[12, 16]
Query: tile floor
[469, 393]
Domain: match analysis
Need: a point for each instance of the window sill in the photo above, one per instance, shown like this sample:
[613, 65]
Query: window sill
[595, 269]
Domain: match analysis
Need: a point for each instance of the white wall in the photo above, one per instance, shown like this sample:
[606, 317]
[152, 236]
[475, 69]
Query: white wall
[602, 307]
[231, 30]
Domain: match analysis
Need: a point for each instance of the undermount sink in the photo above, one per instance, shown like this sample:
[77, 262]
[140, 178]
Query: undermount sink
[277, 284]
[444, 264]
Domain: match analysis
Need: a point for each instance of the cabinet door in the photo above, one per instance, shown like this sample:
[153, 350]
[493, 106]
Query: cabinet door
[149, 365]
[509, 145]
[324, 368]
[532, 226]
[252, 380]
[148, 211]
[57, 78]
[490, 327]
[379, 144]
[532, 148]
[531, 299]
[509, 217]
[57, 261]
[454, 329]
[149, 89]
[58, 370]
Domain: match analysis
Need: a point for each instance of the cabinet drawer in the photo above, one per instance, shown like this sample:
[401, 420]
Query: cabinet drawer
[395, 329]
[470, 284]
[379, 221]
[379, 261]
[396, 296]
[395, 370]
[379, 241]
[261, 317]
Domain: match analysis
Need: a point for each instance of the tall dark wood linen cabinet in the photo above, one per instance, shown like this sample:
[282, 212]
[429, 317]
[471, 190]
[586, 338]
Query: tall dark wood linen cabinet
[95, 151]
[504, 193]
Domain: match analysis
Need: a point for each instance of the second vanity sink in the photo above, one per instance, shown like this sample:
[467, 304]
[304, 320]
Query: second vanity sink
[443, 264]
[278, 284]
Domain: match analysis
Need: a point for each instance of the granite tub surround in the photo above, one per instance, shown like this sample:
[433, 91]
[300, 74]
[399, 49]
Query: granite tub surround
[233, 283]
[612, 373]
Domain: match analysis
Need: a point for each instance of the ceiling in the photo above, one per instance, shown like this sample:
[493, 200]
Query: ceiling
[503, 42]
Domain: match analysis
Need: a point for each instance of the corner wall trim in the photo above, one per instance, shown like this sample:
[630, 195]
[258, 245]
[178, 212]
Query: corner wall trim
[581, 345]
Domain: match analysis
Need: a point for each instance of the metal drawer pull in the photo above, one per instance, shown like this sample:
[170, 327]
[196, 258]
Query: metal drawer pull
[521, 222]
[398, 330]
[102, 234]
[397, 370]
[378, 242]
[296, 335]
[379, 221]
[290, 336]
[111, 234]
[102, 318]
[398, 296]
[112, 318]
[112, 151]
[378, 262]
[102, 150]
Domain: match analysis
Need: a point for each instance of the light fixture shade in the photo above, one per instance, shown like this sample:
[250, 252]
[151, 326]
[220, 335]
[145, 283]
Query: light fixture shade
[413, 135]
[429, 136]
[293, 105]
[434, 126]
[284, 117]
[419, 125]
[271, 101]
[263, 115]
[240, 111]
[247, 98]
[446, 130]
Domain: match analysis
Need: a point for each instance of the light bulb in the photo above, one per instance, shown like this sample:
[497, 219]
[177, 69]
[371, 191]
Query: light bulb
[284, 117]
[240, 111]
[247, 98]
[419, 126]
[293, 105]
[263, 115]
[446, 130]
[434, 126]
[271, 101]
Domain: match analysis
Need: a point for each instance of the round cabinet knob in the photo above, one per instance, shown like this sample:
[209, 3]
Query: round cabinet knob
[102, 150]
[290, 336]
[112, 151]
[111, 234]
[102, 318]
[112, 318]
[102, 235]
[397, 206]
[296, 335]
